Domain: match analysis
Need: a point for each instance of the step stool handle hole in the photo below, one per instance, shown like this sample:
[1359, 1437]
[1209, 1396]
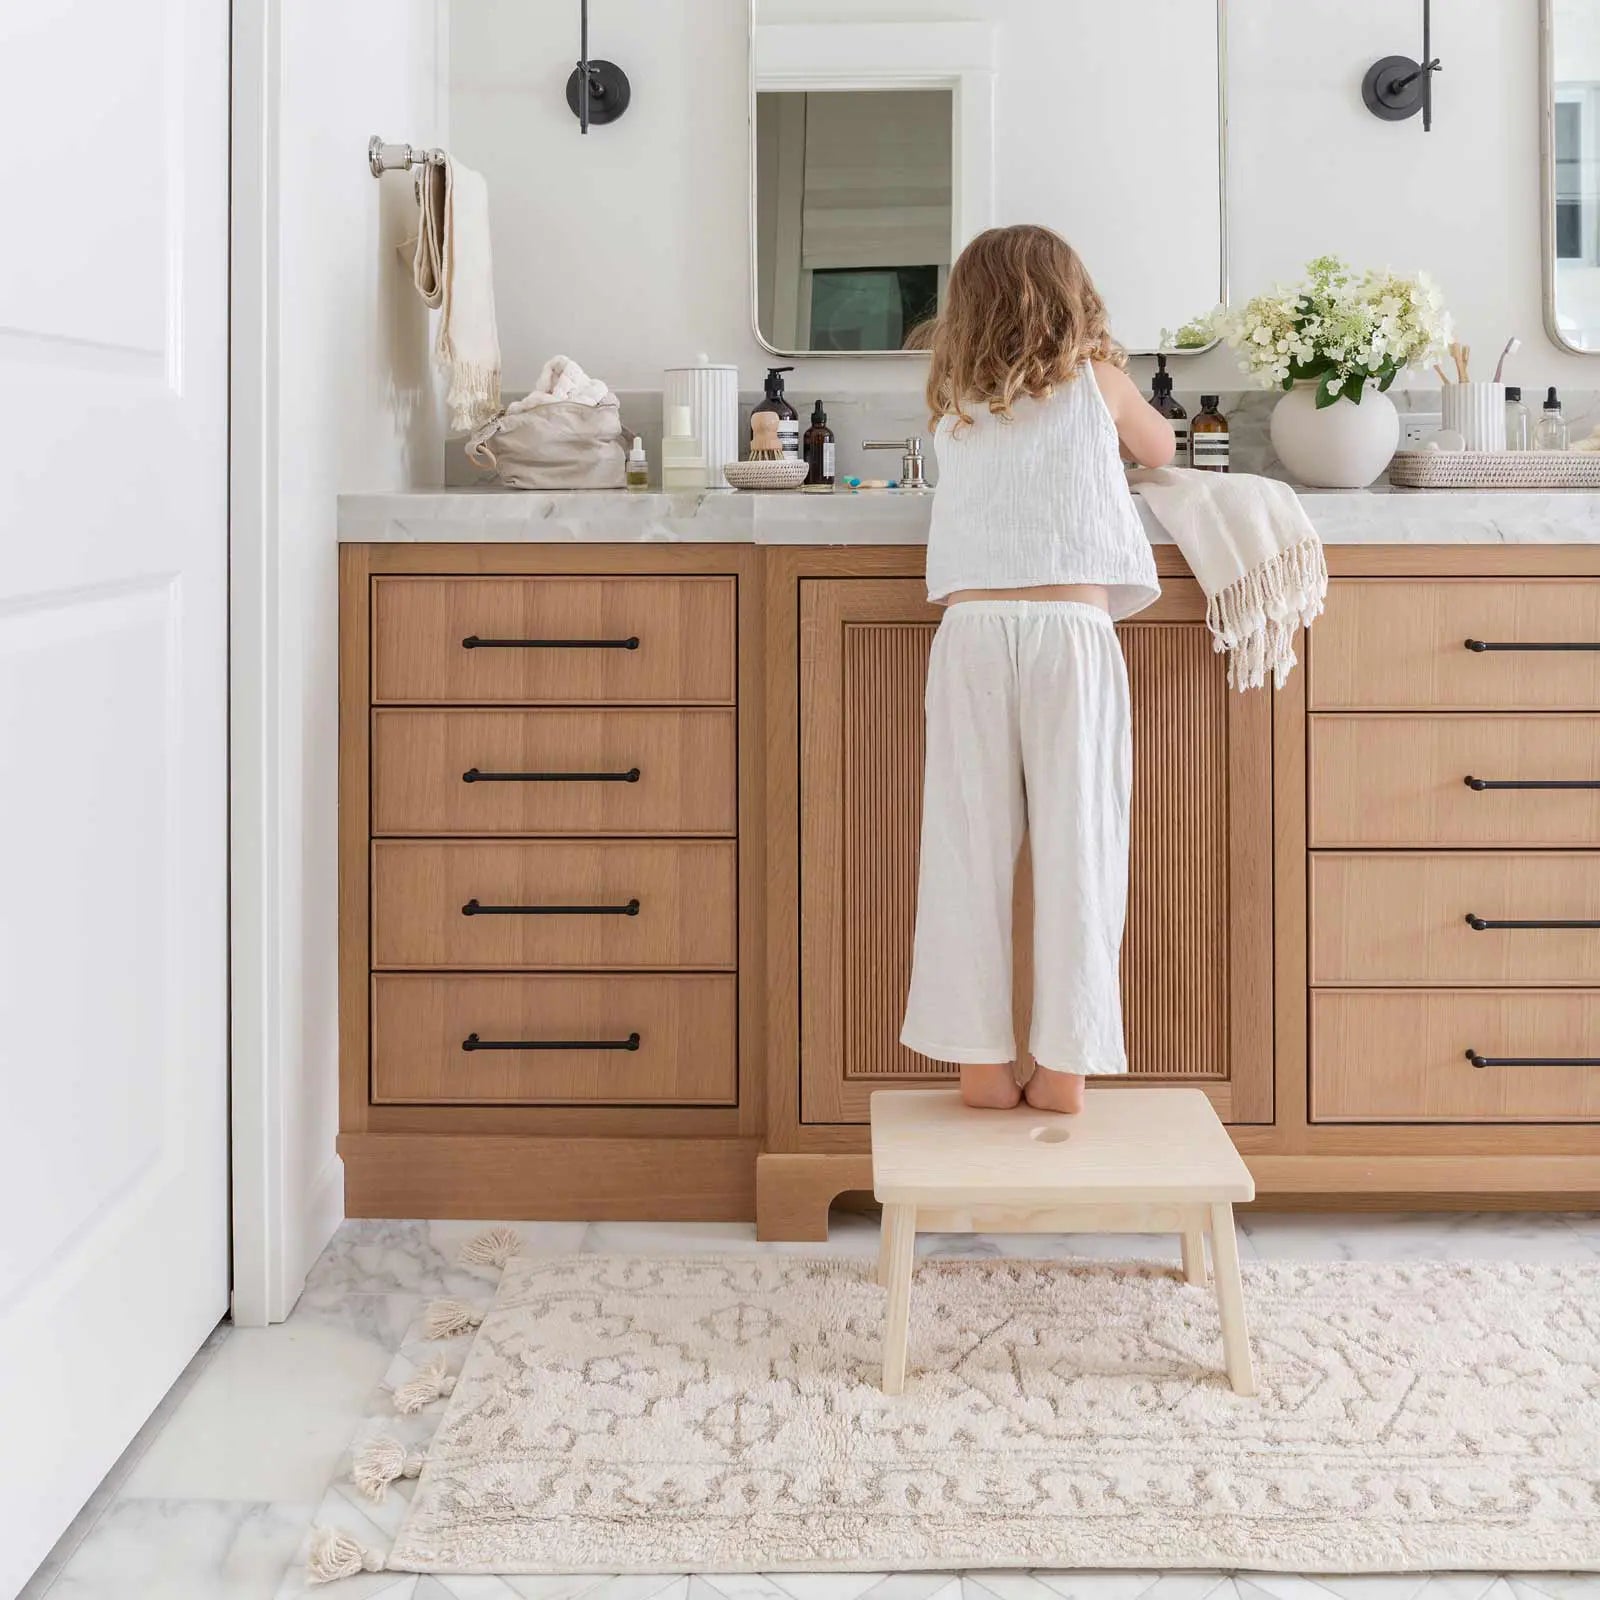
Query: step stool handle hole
[1050, 1133]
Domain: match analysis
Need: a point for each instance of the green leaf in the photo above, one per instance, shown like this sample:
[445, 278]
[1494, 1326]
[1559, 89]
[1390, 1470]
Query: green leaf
[1353, 390]
[1325, 397]
[1389, 376]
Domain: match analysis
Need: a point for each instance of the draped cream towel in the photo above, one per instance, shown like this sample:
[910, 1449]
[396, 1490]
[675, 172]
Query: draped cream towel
[1253, 550]
[453, 270]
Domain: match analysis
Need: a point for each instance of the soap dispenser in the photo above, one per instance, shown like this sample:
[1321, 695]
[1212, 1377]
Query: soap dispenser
[788, 417]
[1208, 436]
[1161, 398]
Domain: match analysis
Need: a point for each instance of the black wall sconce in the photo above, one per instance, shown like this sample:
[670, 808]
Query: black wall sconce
[597, 91]
[1398, 87]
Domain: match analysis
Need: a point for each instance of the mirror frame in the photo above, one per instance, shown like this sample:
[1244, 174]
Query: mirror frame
[972, 207]
[1547, 180]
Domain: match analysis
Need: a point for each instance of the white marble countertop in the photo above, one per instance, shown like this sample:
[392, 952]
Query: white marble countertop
[1380, 515]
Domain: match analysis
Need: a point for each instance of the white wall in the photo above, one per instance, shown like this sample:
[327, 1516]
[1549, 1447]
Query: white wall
[348, 402]
[629, 250]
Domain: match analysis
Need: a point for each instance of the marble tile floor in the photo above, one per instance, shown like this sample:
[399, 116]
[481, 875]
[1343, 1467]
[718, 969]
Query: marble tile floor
[214, 1499]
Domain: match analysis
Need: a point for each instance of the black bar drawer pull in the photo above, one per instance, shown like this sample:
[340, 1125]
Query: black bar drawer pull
[473, 1042]
[474, 909]
[1479, 646]
[1478, 924]
[473, 642]
[1530, 783]
[1531, 1061]
[473, 775]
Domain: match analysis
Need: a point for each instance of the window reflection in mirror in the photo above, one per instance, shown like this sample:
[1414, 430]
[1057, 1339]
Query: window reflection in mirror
[1574, 171]
[853, 216]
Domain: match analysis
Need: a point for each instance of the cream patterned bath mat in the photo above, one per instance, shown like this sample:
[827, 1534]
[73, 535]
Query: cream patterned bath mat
[723, 1414]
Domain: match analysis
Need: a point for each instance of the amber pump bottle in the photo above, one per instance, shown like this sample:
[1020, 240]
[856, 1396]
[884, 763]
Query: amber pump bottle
[1208, 436]
[788, 417]
[1161, 398]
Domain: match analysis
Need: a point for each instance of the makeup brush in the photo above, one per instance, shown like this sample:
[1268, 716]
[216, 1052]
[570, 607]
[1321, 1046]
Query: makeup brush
[1512, 346]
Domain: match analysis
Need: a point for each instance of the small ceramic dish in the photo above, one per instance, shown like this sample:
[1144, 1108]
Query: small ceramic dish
[765, 474]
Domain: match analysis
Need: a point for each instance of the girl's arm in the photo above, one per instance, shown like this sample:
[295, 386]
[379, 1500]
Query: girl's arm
[1146, 435]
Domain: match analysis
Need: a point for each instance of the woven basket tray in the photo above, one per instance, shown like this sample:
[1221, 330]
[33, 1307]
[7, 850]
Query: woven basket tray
[1495, 469]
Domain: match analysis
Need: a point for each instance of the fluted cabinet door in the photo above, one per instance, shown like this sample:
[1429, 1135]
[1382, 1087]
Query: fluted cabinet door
[1197, 956]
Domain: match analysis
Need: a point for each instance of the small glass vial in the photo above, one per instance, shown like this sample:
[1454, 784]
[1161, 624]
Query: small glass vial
[638, 467]
[1519, 423]
[1551, 434]
[1208, 436]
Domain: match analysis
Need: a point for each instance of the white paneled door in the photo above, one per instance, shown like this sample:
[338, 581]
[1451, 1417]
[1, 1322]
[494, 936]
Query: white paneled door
[113, 733]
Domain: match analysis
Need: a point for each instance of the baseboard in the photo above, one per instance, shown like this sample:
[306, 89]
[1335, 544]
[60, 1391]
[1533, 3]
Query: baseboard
[320, 1220]
[524, 1178]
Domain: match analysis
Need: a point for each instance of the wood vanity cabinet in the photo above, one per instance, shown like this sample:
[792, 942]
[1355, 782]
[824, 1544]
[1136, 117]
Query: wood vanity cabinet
[628, 842]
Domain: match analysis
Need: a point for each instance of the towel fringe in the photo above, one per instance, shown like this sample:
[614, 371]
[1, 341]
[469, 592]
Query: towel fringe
[444, 1319]
[334, 1554]
[380, 1462]
[1254, 619]
[473, 396]
[432, 1383]
[492, 1248]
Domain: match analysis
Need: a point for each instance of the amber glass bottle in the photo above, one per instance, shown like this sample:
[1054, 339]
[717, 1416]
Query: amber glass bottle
[1161, 398]
[1208, 435]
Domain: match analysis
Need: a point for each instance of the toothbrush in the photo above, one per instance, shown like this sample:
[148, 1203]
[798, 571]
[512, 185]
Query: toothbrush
[1512, 346]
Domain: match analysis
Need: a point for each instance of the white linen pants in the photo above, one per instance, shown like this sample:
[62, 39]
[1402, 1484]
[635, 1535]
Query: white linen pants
[1028, 729]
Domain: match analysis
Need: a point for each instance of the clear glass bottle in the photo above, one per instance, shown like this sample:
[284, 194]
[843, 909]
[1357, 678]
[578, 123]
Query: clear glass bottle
[1551, 434]
[1519, 421]
[1208, 436]
[638, 467]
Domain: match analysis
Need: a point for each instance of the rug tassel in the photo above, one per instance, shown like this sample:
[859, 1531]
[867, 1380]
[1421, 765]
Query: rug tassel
[432, 1383]
[445, 1318]
[379, 1462]
[337, 1555]
[492, 1248]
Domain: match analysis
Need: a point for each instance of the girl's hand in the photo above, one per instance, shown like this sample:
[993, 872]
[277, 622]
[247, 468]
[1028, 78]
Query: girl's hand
[1145, 436]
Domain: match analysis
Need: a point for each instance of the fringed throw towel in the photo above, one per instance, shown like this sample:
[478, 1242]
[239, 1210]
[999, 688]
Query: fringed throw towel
[1253, 550]
[453, 270]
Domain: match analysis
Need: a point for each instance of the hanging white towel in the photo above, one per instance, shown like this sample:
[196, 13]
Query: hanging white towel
[1253, 550]
[453, 269]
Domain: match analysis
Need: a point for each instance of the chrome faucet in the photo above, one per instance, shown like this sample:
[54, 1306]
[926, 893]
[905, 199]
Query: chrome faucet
[910, 459]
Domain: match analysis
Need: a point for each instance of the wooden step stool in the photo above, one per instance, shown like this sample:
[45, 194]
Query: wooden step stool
[1133, 1161]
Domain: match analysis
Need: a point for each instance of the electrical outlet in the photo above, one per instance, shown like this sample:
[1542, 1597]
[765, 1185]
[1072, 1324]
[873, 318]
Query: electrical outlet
[1415, 426]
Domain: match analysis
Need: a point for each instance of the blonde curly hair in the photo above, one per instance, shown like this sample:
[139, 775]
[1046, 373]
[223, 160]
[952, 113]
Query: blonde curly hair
[1020, 316]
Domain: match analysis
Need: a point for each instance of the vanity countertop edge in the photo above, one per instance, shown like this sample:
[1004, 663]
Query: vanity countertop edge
[1378, 516]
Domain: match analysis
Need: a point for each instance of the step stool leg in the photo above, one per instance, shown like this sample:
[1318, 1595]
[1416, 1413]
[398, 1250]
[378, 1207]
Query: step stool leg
[1194, 1249]
[900, 1233]
[1230, 1301]
[885, 1242]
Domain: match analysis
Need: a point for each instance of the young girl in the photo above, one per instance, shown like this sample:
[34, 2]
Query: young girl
[1035, 548]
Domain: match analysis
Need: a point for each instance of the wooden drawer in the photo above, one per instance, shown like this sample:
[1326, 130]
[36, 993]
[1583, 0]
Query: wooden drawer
[553, 640]
[1401, 1055]
[439, 903]
[684, 764]
[1401, 780]
[1402, 918]
[1400, 643]
[685, 1053]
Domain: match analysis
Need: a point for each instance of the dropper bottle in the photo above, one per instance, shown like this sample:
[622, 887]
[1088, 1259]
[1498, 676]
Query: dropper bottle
[1551, 434]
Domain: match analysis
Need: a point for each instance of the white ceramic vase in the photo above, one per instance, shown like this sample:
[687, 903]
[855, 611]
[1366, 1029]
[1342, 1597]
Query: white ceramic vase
[1343, 446]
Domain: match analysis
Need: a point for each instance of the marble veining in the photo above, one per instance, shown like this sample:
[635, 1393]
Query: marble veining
[1379, 515]
[216, 1497]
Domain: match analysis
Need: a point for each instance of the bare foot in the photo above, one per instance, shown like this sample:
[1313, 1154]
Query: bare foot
[989, 1088]
[1049, 1090]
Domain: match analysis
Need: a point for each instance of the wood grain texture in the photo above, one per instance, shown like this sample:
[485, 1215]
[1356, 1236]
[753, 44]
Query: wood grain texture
[1400, 644]
[1400, 1055]
[686, 760]
[684, 628]
[1400, 917]
[529, 1177]
[687, 1053]
[687, 913]
[355, 693]
[1386, 779]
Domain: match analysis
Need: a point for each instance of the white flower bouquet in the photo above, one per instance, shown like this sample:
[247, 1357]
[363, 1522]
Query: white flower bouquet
[1338, 329]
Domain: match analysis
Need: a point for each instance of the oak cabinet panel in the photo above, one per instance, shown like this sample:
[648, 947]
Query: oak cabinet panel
[1197, 956]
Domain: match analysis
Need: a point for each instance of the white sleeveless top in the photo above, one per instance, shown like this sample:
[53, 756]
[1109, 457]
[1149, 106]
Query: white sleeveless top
[1038, 499]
